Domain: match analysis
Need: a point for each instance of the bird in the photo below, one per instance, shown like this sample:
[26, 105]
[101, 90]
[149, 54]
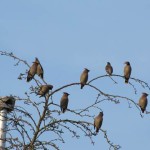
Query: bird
[98, 120]
[143, 102]
[64, 102]
[109, 68]
[40, 71]
[84, 77]
[32, 71]
[44, 89]
[127, 71]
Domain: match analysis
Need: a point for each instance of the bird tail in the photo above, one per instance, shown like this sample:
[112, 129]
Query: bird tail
[126, 80]
[28, 79]
[63, 110]
[142, 110]
[97, 130]
[41, 76]
[82, 85]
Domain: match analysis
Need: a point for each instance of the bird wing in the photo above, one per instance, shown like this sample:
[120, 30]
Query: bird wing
[143, 102]
[109, 69]
[64, 102]
[127, 71]
[40, 70]
[32, 70]
[84, 78]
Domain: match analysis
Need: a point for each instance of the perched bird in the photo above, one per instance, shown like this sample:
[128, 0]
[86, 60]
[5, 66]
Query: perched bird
[44, 89]
[109, 68]
[143, 102]
[84, 77]
[32, 71]
[127, 71]
[64, 102]
[98, 120]
[40, 71]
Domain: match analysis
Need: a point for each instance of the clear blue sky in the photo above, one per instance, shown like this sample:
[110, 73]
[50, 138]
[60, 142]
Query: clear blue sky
[68, 36]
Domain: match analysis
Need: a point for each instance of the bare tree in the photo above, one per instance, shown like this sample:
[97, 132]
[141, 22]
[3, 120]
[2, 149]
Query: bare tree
[27, 131]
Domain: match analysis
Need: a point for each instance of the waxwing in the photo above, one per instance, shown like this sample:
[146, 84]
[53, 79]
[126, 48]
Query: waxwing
[127, 71]
[64, 102]
[98, 120]
[109, 68]
[143, 102]
[84, 77]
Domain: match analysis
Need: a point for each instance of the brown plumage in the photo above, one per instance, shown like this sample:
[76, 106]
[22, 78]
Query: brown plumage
[84, 77]
[64, 102]
[98, 120]
[44, 89]
[109, 68]
[143, 102]
[127, 71]
[32, 71]
[40, 71]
